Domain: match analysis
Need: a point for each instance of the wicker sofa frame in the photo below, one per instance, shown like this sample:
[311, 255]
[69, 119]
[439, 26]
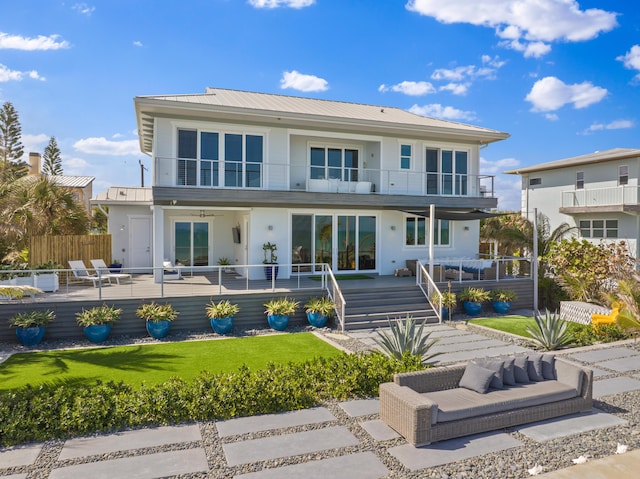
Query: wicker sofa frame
[405, 408]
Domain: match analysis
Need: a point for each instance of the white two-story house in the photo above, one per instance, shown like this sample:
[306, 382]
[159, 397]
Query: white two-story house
[597, 193]
[345, 184]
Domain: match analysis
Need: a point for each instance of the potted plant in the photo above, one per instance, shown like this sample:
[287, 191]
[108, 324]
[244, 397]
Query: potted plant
[96, 321]
[278, 311]
[158, 318]
[221, 315]
[449, 302]
[319, 310]
[48, 280]
[31, 326]
[501, 300]
[269, 249]
[224, 262]
[472, 299]
[115, 266]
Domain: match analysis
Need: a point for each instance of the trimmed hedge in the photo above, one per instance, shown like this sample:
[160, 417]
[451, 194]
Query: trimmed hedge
[63, 411]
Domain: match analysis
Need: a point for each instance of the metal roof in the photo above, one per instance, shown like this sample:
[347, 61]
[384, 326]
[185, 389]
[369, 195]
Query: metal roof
[72, 181]
[282, 108]
[124, 195]
[597, 157]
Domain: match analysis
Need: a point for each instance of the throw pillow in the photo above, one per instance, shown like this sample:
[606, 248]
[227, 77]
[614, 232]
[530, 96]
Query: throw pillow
[476, 378]
[520, 369]
[508, 372]
[549, 366]
[534, 367]
[495, 365]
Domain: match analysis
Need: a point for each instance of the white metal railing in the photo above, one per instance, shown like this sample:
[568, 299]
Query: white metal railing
[201, 173]
[333, 290]
[494, 269]
[429, 289]
[615, 195]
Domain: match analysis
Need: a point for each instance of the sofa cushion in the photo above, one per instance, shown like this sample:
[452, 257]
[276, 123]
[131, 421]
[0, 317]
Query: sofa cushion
[534, 367]
[520, 369]
[476, 378]
[495, 365]
[548, 366]
[508, 371]
[462, 403]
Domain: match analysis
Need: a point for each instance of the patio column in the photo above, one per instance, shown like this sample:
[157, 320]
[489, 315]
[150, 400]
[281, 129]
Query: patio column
[432, 218]
[158, 241]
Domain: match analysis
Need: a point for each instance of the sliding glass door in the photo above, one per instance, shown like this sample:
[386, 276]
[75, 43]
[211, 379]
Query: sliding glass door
[191, 243]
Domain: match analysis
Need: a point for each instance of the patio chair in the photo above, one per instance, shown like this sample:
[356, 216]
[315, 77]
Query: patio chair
[170, 271]
[101, 267]
[80, 272]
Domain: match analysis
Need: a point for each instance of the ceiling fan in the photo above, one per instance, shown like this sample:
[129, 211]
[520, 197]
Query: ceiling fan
[204, 214]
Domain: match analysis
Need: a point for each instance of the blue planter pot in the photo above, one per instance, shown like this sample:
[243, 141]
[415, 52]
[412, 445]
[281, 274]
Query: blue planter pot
[317, 320]
[158, 329]
[30, 336]
[501, 307]
[268, 270]
[222, 325]
[472, 308]
[444, 312]
[279, 322]
[97, 333]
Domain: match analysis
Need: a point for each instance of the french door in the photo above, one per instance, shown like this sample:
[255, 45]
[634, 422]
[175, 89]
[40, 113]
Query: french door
[191, 243]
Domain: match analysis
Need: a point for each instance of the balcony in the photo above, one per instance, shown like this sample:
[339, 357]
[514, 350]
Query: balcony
[213, 174]
[601, 200]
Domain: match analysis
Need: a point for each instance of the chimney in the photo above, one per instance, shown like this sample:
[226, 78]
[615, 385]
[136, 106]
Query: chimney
[34, 164]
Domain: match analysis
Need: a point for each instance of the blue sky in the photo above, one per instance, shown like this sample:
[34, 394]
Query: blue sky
[562, 77]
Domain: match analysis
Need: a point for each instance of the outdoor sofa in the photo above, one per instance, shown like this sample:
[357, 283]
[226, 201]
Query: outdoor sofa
[453, 401]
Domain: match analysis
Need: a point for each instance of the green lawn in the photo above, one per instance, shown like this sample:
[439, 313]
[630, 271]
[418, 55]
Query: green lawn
[155, 363]
[510, 324]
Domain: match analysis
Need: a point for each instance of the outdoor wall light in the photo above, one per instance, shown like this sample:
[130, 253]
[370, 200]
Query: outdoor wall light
[466, 228]
[393, 228]
[270, 227]
[121, 227]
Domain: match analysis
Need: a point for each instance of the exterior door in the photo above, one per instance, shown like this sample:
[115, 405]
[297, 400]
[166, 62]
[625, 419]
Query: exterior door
[191, 243]
[139, 243]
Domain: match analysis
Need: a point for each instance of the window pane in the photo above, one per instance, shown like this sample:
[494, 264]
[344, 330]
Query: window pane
[186, 174]
[187, 144]
[461, 173]
[233, 160]
[351, 165]
[208, 146]
[317, 157]
[183, 243]
[366, 242]
[432, 171]
[444, 232]
[410, 231]
[346, 242]
[447, 170]
[421, 232]
[405, 163]
[200, 244]
[324, 239]
[301, 240]
[254, 148]
[585, 224]
[405, 150]
[598, 223]
[612, 223]
[334, 160]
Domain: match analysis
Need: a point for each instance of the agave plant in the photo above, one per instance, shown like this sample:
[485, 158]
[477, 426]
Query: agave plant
[405, 338]
[551, 332]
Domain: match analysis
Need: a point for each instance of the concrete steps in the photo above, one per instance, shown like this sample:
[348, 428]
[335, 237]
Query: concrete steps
[374, 308]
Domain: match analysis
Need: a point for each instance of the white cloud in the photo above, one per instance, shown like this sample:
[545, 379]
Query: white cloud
[460, 78]
[34, 143]
[614, 125]
[489, 167]
[507, 187]
[551, 116]
[299, 81]
[631, 59]
[102, 146]
[137, 43]
[76, 166]
[7, 75]
[456, 74]
[281, 3]
[456, 88]
[523, 22]
[83, 8]
[436, 110]
[16, 42]
[550, 94]
[411, 88]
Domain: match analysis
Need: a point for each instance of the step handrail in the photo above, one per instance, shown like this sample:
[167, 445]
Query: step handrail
[429, 289]
[333, 291]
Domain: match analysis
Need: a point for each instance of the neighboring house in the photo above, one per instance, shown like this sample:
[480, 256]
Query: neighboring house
[81, 187]
[328, 182]
[597, 193]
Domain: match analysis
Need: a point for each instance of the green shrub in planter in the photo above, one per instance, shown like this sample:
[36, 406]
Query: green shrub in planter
[278, 311]
[31, 326]
[221, 315]
[472, 299]
[96, 321]
[319, 310]
[501, 300]
[158, 318]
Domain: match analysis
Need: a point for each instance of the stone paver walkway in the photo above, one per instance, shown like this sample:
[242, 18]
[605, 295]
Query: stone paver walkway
[338, 441]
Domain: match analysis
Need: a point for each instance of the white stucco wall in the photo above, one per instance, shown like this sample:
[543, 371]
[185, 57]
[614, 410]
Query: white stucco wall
[119, 228]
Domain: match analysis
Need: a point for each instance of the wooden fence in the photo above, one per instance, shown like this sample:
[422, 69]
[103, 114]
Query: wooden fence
[61, 249]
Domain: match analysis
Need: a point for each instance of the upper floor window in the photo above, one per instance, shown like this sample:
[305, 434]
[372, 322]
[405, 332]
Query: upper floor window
[579, 180]
[598, 228]
[535, 181]
[333, 163]
[416, 231]
[199, 159]
[623, 175]
[405, 157]
[446, 171]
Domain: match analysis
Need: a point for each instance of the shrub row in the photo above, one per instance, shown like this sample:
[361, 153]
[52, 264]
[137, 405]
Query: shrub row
[62, 411]
[586, 334]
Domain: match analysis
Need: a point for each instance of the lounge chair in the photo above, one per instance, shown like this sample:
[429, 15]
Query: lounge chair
[80, 272]
[170, 271]
[101, 267]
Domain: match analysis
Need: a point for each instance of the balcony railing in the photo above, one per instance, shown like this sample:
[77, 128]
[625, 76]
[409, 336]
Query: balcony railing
[290, 177]
[613, 196]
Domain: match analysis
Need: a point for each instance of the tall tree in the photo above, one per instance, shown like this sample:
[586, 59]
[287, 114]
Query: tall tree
[52, 161]
[11, 149]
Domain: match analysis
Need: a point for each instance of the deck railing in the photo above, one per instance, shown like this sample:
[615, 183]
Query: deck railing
[429, 288]
[333, 290]
[615, 195]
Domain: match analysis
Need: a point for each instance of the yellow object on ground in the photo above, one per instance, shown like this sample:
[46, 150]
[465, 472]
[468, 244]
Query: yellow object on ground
[603, 319]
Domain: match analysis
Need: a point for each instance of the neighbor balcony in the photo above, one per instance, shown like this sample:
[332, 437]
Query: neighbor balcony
[601, 200]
